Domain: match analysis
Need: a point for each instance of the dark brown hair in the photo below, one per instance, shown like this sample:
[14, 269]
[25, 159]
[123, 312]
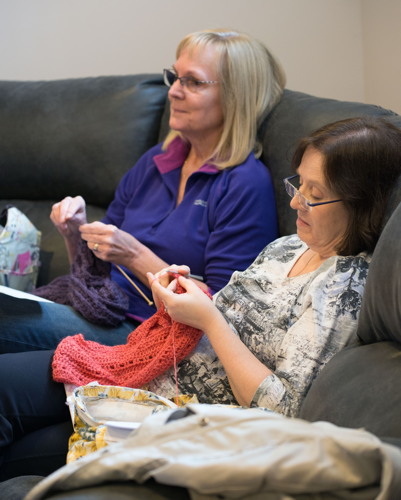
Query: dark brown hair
[362, 161]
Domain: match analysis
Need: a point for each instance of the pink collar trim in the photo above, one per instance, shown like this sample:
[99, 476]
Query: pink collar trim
[175, 157]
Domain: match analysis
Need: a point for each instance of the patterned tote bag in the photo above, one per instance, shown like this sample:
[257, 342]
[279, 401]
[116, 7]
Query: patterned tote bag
[19, 250]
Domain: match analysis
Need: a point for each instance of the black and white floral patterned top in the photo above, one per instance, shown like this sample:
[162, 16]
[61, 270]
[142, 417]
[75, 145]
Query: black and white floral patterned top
[293, 325]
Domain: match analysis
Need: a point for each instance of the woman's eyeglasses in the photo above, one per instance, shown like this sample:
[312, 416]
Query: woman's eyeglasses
[189, 82]
[304, 202]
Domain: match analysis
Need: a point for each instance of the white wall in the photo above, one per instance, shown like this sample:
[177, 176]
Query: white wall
[382, 52]
[322, 44]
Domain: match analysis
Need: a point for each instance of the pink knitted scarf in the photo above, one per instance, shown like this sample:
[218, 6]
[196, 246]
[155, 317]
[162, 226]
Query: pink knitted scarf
[156, 345]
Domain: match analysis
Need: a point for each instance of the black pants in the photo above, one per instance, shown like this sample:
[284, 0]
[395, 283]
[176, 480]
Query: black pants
[35, 421]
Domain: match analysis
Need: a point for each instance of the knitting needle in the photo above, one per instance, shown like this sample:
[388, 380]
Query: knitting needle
[150, 303]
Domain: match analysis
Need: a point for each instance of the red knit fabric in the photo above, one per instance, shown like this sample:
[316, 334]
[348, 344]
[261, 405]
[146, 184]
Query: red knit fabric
[149, 352]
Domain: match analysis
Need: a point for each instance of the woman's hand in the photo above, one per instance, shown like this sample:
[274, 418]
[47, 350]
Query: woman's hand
[68, 214]
[193, 308]
[166, 275]
[110, 243]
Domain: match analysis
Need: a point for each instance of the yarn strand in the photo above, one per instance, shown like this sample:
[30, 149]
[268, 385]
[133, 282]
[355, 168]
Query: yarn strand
[175, 368]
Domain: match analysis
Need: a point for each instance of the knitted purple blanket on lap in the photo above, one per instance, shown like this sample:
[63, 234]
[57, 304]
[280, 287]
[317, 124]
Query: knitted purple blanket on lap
[89, 290]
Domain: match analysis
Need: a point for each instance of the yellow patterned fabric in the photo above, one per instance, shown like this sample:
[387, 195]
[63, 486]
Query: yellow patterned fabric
[96, 409]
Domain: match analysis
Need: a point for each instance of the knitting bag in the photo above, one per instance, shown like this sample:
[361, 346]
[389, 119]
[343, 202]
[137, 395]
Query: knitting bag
[104, 414]
[19, 250]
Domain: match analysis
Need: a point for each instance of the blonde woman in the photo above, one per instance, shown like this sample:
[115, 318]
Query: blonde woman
[203, 198]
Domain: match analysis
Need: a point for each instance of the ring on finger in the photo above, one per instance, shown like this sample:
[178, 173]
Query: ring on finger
[96, 247]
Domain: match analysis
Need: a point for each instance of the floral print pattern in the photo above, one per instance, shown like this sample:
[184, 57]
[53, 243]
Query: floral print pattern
[293, 325]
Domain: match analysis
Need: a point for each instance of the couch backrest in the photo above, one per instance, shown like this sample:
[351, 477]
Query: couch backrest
[75, 136]
[79, 136]
[380, 317]
[295, 116]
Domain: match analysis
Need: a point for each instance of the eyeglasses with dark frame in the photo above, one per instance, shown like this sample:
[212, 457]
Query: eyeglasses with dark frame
[304, 202]
[189, 82]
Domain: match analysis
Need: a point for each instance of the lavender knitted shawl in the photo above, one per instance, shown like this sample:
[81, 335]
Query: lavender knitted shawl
[88, 289]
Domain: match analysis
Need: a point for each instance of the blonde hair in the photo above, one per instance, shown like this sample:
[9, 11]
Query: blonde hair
[251, 83]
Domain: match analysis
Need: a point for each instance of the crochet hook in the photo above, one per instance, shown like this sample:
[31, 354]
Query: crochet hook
[189, 275]
[195, 277]
[150, 303]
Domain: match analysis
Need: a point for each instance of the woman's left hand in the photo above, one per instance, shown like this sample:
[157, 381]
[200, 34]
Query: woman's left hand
[193, 308]
[166, 275]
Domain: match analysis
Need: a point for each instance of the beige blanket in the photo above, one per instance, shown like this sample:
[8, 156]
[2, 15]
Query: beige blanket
[242, 453]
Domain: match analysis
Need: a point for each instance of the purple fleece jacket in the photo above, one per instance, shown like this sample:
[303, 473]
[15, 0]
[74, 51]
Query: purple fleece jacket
[224, 220]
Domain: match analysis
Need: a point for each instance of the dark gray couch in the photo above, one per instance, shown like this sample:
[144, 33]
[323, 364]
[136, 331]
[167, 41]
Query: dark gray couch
[79, 136]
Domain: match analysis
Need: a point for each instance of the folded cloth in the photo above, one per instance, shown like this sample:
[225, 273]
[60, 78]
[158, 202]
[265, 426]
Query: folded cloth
[151, 349]
[88, 289]
[228, 453]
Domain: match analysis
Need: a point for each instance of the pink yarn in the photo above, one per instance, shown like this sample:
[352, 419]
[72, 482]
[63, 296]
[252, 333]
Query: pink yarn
[150, 350]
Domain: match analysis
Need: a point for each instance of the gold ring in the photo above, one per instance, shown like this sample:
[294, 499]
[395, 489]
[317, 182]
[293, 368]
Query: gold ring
[95, 247]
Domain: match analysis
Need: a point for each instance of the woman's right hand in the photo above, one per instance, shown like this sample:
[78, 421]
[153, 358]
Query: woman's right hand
[68, 214]
[168, 274]
[165, 277]
[193, 308]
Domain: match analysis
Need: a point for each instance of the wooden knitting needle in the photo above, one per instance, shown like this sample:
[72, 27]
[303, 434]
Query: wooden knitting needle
[150, 303]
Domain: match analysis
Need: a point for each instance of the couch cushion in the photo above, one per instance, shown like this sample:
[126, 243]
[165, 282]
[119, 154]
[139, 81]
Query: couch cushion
[358, 388]
[56, 134]
[16, 489]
